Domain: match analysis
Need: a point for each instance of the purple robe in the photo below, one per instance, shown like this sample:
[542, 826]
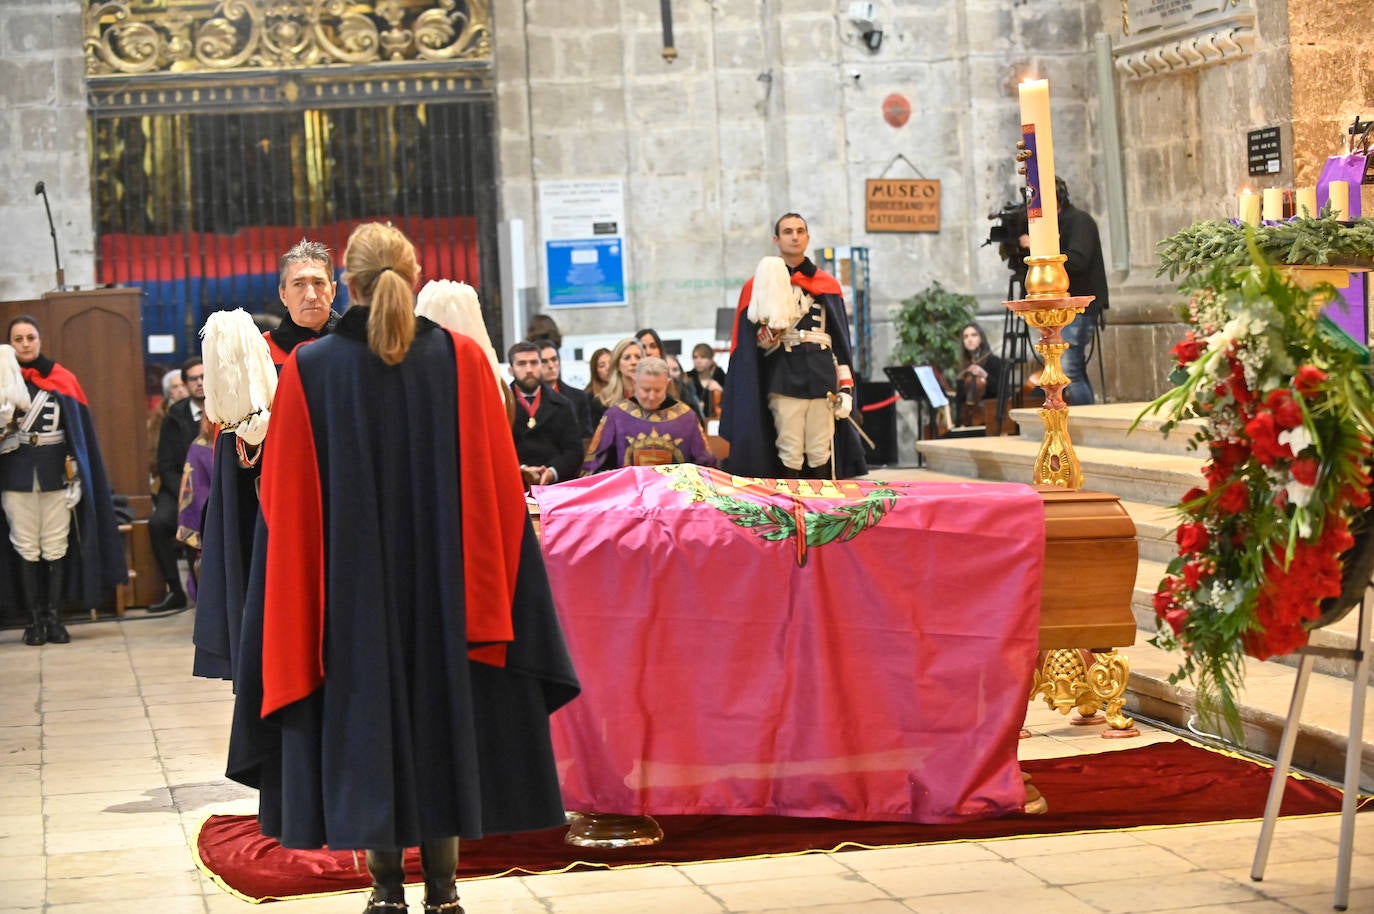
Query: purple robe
[631, 436]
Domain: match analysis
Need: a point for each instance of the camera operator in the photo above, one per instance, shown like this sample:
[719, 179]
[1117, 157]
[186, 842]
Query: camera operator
[1080, 242]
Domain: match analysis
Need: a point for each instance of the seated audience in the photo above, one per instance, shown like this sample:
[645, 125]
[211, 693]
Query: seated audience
[548, 441]
[648, 429]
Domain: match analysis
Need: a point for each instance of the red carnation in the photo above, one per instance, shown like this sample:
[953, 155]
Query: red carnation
[1164, 601]
[1177, 618]
[1188, 350]
[1305, 471]
[1286, 410]
[1192, 538]
[1264, 439]
[1192, 574]
[1308, 381]
[1235, 498]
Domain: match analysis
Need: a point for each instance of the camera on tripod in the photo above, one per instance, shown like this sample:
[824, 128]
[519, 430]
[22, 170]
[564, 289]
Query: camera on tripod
[1010, 224]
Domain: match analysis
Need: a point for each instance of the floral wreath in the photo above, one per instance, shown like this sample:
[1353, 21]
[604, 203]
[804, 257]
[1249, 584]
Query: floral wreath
[1287, 418]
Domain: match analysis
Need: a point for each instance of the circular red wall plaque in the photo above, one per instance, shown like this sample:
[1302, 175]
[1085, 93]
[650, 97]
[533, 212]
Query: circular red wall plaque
[896, 109]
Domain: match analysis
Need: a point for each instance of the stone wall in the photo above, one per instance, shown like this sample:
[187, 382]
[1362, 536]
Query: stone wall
[43, 95]
[774, 106]
[1333, 78]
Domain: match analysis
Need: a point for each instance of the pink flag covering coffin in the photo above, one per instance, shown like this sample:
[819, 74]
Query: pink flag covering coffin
[876, 671]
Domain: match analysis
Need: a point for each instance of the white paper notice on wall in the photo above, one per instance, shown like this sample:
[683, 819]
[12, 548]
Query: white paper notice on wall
[161, 344]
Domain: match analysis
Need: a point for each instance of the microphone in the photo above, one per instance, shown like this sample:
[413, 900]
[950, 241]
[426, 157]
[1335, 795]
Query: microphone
[42, 189]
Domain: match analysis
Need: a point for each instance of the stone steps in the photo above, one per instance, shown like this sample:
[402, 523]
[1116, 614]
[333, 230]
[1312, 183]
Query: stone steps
[1150, 472]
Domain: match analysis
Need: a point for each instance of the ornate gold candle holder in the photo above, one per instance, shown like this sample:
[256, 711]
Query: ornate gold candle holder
[1049, 309]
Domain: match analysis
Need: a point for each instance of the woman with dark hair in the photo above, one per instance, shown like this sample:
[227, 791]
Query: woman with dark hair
[708, 378]
[401, 653]
[600, 364]
[651, 345]
[980, 374]
[543, 327]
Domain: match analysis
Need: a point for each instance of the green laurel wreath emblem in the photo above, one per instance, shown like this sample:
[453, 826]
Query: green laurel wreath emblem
[776, 523]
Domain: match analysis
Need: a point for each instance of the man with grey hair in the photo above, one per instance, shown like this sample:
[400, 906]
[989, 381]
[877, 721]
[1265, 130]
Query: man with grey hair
[648, 429]
[305, 284]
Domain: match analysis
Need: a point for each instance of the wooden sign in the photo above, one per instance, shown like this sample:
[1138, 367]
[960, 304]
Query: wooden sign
[901, 205]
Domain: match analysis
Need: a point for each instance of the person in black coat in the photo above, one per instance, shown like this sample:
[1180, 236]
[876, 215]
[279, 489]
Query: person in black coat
[1082, 245]
[179, 429]
[548, 438]
[553, 376]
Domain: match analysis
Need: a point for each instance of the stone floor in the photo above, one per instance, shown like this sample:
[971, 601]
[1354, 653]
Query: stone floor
[111, 754]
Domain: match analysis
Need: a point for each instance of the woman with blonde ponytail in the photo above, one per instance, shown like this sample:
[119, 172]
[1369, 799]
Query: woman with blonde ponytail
[381, 272]
[407, 686]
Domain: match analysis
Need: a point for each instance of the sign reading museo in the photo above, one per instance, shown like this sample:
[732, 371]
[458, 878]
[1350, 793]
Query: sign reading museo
[901, 205]
[581, 225]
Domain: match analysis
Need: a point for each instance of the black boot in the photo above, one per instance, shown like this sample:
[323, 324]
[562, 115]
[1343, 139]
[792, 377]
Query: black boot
[388, 882]
[789, 473]
[36, 632]
[439, 860]
[52, 607]
[175, 599]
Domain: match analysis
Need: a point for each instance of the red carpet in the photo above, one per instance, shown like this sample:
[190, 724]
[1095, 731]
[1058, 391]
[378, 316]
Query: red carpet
[1163, 784]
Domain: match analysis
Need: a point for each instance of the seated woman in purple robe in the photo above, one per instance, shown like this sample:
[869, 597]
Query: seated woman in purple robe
[648, 429]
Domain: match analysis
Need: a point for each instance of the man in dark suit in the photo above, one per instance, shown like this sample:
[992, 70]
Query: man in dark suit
[548, 439]
[553, 376]
[179, 429]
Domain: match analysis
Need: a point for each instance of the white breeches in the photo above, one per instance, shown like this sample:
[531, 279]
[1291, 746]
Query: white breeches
[805, 430]
[39, 523]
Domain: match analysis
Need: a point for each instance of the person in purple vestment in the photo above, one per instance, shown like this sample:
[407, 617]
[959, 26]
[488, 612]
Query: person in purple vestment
[648, 429]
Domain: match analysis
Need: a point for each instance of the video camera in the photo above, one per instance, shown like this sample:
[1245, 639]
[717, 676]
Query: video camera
[1011, 224]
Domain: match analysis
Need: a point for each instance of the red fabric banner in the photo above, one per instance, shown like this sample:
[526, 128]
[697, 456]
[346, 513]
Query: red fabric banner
[875, 669]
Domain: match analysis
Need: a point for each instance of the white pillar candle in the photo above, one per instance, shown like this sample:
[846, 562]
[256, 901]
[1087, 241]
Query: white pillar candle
[1338, 193]
[1273, 204]
[1249, 213]
[1307, 202]
[1042, 210]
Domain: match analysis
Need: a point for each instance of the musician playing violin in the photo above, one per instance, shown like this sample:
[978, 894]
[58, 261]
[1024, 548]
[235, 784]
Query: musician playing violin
[980, 374]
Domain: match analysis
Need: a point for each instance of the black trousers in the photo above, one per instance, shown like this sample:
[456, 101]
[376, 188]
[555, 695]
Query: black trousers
[162, 536]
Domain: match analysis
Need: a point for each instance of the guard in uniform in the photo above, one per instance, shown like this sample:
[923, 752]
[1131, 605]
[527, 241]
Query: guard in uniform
[50, 469]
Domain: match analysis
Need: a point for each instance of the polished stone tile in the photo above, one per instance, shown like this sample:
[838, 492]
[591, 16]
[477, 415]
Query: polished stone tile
[1043, 900]
[804, 891]
[1130, 896]
[689, 900]
[596, 881]
[1116, 862]
[151, 888]
[772, 868]
[946, 878]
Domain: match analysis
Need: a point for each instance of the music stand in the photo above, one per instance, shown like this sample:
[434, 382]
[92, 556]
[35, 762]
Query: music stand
[922, 386]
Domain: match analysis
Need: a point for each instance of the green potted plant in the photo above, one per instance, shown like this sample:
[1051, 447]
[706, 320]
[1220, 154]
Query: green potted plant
[928, 326]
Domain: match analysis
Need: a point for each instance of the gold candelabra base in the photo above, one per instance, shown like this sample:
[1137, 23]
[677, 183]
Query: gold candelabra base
[1049, 309]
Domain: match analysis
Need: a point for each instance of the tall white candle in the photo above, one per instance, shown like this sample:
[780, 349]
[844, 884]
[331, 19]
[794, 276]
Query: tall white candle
[1249, 212]
[1338, 193]
[1273, 204]
[1042, 209]
[1307, 202]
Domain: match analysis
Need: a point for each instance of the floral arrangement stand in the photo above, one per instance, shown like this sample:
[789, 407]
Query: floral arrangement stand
[1068, 678]
[1281, 540]
[1353, 751]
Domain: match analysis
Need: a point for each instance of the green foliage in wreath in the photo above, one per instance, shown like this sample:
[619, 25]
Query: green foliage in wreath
[928, 327]
[1306, 242]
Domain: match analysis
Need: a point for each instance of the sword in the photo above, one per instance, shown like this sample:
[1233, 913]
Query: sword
[834, 400]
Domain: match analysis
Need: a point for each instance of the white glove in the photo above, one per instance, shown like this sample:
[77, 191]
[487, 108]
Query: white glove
[72, 494]
[843, 406]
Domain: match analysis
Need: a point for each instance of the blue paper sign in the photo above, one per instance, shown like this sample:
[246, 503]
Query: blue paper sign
[585, 271]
